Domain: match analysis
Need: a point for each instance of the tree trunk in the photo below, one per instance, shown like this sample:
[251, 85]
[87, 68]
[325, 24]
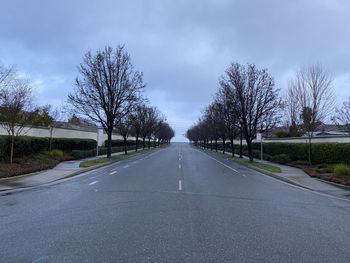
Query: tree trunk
[216, 145]
[232, 147]
[143, 143]
[250, 151]
[12, 147]
[241, 146]
[149, 143]
[223, 145]
[125, 146]
[109, 143]
[211, 144]
[310, 152]
[50, 141]
[137, 142]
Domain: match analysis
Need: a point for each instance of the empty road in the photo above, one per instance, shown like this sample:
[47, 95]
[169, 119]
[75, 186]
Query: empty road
[175, 204]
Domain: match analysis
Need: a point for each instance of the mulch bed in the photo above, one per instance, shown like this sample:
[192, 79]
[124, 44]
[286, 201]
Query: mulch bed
[324, 174]
[29, 164]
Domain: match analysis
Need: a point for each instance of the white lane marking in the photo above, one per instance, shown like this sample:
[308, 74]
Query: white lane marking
[113, 172]
[125, 166]
[179, 166]
[134, 162]
[92, 183]
[290, 184]
[229, 167]
[39, 259]
[180, 185]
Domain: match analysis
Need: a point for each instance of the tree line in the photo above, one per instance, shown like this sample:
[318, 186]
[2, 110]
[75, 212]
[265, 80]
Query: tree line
[247, 103]
[108, 91]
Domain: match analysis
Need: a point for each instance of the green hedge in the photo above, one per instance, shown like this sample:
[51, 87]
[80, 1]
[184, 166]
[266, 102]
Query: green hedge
[80, 154]
[321, 152]
[69, 145]
[117, 143]
[26, 145]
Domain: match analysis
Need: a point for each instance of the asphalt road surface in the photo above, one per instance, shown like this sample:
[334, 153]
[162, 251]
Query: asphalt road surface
[175, 204]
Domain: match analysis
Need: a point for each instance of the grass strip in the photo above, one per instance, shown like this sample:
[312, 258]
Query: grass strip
[103, 160]
[264, 166]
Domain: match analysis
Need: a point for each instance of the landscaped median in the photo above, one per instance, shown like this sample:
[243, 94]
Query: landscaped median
[262, 166]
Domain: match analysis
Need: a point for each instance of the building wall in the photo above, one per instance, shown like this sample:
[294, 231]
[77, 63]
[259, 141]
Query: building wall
[65, 133]
[338, 139]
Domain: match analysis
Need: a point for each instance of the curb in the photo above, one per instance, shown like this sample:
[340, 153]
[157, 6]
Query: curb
[281, 178]
[73, 174]
[344, 187]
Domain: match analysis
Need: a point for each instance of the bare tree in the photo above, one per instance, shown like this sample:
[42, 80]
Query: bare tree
[16, 108]
[6, 75]
[213, 124]
[215, 118]
[257, 101]
[108, 88]
[313, 92]
[342, 116]
[124, 129]
[136, 119]
[229, 114]
[293, 110]
[165, 132]
[148, 121]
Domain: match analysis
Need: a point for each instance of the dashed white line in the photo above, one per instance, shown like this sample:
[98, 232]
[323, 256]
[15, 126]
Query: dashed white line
[126, 166]
[113, 172]
[180, 185]
[229, 167]
[179, 166]
[92, 183]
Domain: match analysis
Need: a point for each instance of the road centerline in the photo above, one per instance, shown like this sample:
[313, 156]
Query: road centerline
[229, 167]
[180, 185]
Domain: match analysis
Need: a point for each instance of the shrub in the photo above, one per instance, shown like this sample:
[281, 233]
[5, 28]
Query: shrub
[81, 154]
[281, 158]
[321, 152]
[55, 153]
[118, 143]
[69, 145]
[25, 145]
[282, 134]
[267, 157]
[342, 169]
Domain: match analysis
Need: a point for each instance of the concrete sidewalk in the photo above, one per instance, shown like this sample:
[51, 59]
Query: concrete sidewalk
[61, 171]
[299, 177]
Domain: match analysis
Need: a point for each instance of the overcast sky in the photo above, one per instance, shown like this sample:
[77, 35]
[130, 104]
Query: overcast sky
[181, 46]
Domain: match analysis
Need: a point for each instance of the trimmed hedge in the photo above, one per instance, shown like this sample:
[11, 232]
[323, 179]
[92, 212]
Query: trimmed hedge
[80, 154]
[117, 143]
[321, 152]
[26, 145]
[290, 152]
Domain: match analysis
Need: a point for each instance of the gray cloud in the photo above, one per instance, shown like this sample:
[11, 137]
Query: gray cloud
[181, 46]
